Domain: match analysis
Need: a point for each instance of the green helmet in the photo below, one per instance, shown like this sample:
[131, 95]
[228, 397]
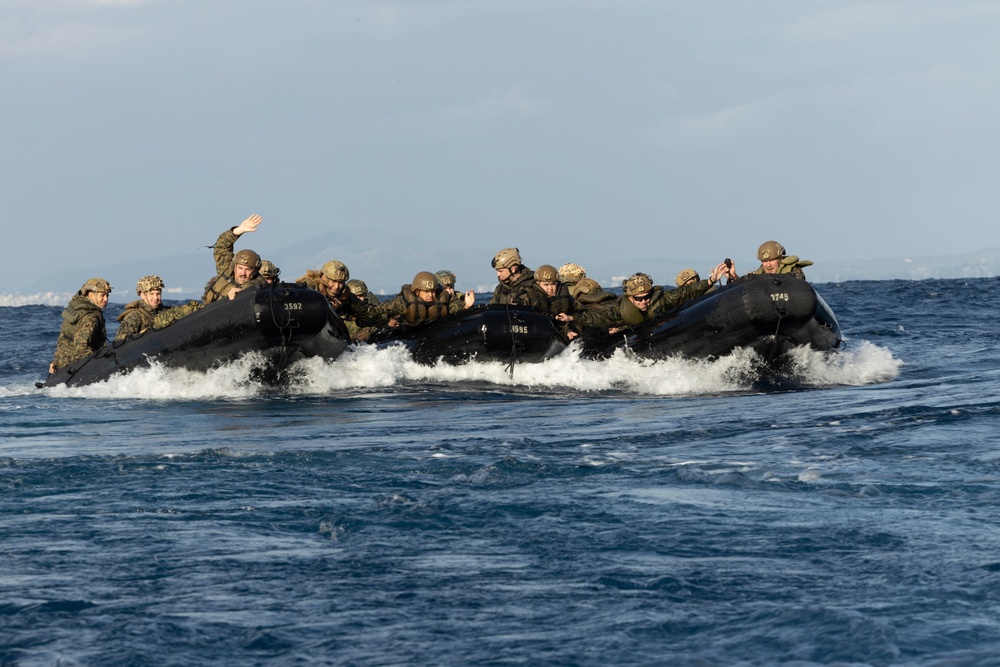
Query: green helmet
[358, 287]
[506, 258]
[686, 275]
[247, 258]
[445, 278]
[770, 250]
[268, 269]
[425, 280]
[546, 274]
[571, 273]
[335, 270]
[148, 284]
[637, 283]
[96, 285]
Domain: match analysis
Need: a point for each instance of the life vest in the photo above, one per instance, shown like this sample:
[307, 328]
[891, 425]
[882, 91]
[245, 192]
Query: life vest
[418, 310]
[633, 315]
[66, 352]
[146, 314]
[218, 287]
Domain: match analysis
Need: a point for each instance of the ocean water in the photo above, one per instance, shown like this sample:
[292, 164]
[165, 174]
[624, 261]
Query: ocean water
[568, 513]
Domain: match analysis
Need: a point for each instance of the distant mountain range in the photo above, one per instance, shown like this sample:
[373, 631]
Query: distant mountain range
[385, 261]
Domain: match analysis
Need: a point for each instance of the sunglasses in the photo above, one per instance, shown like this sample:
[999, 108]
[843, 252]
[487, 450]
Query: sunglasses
[643, 297]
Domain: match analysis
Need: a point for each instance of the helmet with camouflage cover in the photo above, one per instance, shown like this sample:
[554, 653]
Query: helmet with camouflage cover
[637, 283]
[247, 258]
[425, 280]
[335, 270]
[96, 285]
[546, 274]
[358, 287]
[148, 284]
[685, 275]
[268, 269]
[585, 286]
[770, 250]
[445, 278]
[506, 259]
[571, 273]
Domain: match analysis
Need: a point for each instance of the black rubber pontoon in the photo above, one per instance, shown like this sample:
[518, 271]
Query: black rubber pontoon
[485, 333]
[284, 323]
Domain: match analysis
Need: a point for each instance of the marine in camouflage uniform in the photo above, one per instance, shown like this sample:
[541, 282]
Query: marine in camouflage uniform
[331, 282]
[148, 311]
[517, 282]
[83, 330]
[234, 271]
[632, 310]
[422, 300]
[774, 260]
[360, 289]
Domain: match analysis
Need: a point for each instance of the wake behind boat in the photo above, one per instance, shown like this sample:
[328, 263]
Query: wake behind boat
[485, 333]
[770, 314]
[283, 322]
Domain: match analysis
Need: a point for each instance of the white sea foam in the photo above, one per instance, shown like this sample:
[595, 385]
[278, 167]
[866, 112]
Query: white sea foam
[366, 368]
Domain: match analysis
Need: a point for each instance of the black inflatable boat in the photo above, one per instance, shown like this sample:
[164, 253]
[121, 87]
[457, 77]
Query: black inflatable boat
[484, 333]
[283, 322]
[768, 313]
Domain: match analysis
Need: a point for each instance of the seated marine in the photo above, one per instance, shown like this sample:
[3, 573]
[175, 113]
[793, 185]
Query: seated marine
[641, 302]
[234, 272]
[149, 311]
[517, 282]
[360, 290]
[83, 331]
[331, 282]
[422, 300]
[558, 298]
[774, 260]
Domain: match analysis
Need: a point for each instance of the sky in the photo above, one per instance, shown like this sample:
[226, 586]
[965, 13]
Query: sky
[586, 131]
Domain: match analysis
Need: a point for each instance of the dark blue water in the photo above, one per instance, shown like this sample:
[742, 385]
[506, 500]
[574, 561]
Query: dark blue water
[579, 513]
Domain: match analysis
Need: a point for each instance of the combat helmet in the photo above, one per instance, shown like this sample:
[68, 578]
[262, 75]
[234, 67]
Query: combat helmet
[506, 259]
[770, 250]
[268, 269]
[546, 274]
[686, 275]
[585, 286]
[148, 284]
[445, 278]
[247, 258]
[357, 287]
[96, 285]
[425, 280]
[335, 270]
[637, 283]
[571, 273]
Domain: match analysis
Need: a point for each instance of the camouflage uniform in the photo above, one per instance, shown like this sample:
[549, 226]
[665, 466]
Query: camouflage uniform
[346, 304]
[522, 292]
[624, 312]
[138, 316]
[224, 281]
[82, 332]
